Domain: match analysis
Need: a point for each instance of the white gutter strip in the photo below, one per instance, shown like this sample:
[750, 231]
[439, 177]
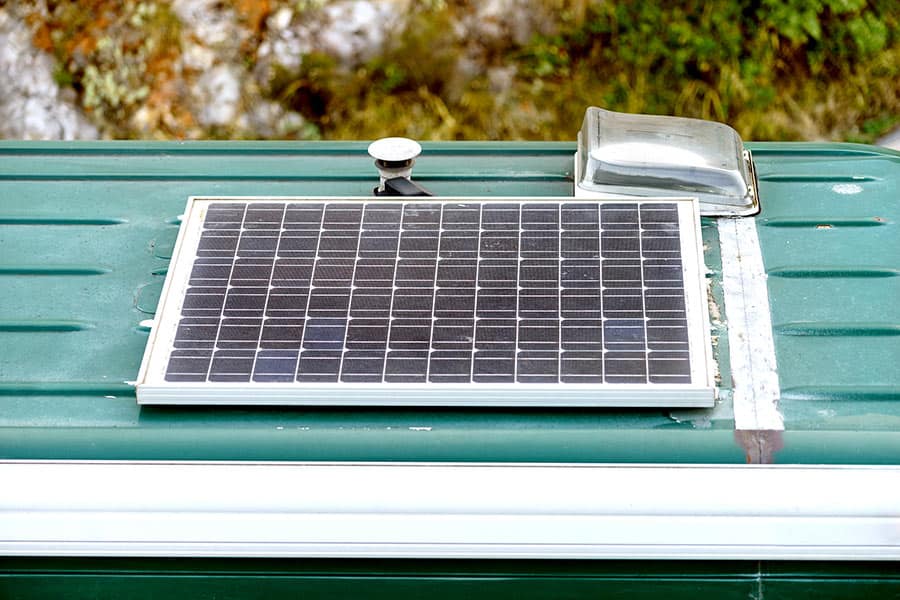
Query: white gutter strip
[445, 510]
[752, 349]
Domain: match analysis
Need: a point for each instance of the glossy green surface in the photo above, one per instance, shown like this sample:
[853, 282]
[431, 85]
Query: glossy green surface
[22, 579]
[830, 235]
[86, 231]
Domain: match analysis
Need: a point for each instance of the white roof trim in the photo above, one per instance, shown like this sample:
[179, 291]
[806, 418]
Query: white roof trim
[433, 510]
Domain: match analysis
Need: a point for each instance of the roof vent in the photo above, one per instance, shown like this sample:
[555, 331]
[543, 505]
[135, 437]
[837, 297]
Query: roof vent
[624, 155]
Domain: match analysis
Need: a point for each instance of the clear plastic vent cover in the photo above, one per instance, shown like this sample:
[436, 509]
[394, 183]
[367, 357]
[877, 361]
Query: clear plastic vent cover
[624, 155]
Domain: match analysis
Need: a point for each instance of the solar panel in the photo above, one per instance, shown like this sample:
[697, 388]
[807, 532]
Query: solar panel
[444, 301]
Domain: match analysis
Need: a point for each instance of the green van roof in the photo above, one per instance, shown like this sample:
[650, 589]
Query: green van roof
[87, 229]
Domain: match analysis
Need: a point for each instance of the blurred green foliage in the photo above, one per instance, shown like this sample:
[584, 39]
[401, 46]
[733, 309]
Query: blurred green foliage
[774, 69]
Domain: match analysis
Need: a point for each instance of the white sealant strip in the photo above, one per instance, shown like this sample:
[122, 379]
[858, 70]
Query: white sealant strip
[752, 349]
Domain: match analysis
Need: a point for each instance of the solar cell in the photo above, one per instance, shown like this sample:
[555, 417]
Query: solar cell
[317, 291]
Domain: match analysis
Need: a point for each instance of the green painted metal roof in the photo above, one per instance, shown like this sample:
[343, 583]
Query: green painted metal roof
[86, 232]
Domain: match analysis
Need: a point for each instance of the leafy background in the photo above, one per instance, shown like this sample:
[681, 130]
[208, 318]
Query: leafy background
[454, 69]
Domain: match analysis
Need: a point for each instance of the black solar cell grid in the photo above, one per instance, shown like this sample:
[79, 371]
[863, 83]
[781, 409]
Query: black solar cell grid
[436, 292]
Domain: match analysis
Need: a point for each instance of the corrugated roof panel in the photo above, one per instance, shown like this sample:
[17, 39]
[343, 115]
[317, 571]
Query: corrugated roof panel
[831, 247]
[86, 231]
